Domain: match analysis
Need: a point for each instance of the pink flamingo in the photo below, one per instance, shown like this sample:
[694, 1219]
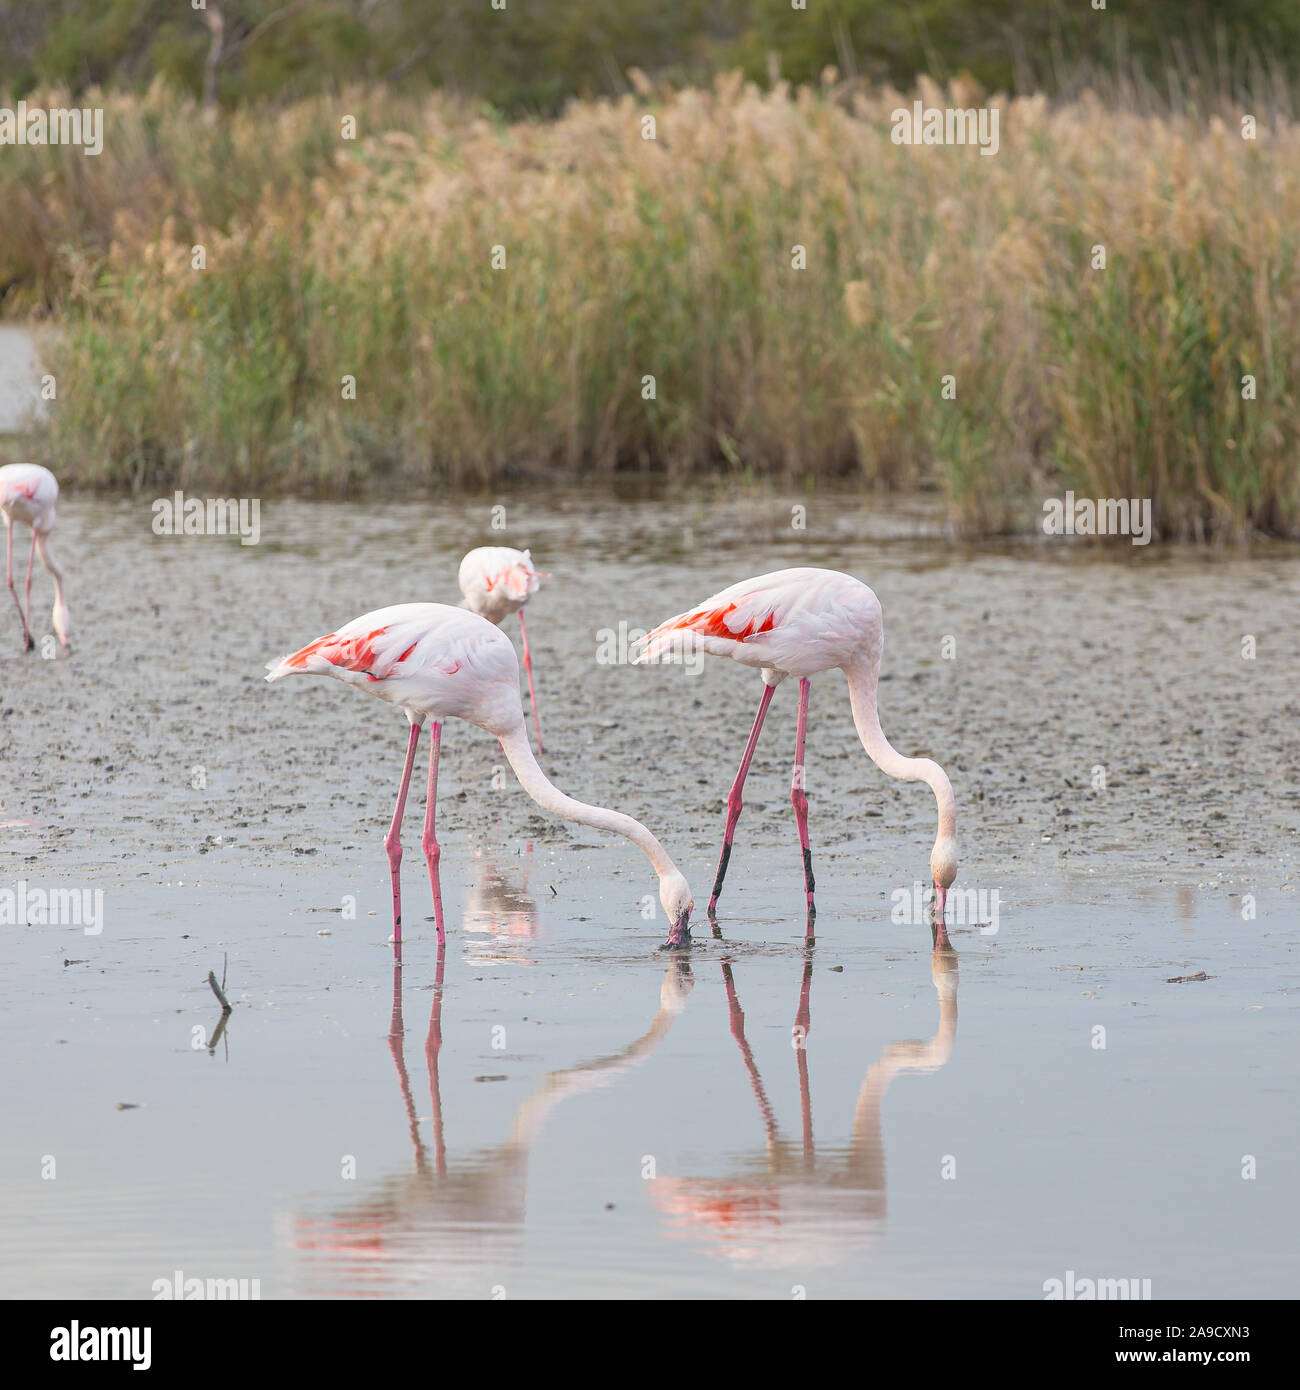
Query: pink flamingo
[496, 582]
[799, 622]
[28, 493]
[438, 663]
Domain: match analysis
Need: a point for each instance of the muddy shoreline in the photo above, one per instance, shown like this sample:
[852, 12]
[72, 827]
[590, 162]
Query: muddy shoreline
[1068, 670]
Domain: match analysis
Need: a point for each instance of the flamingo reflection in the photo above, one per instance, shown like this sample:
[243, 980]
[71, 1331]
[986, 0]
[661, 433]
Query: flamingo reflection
[453, 1226]
[790, 1205]
[501, 917]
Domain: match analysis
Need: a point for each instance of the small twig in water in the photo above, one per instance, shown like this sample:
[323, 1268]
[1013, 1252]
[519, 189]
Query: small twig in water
[218, 1033]
[217, 990]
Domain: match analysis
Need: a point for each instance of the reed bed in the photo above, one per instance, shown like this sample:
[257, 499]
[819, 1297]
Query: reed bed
[328, 260]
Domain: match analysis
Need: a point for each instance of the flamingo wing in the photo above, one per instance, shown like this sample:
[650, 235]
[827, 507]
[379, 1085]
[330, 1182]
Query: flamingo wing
[377, 646]
[745, 611]
[31, 490]
[426, 657]
[795, 621]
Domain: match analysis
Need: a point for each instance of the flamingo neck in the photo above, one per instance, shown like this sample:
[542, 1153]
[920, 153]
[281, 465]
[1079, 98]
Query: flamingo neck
[863, 681]
[47, 559]
[550, 798]
[56, 574]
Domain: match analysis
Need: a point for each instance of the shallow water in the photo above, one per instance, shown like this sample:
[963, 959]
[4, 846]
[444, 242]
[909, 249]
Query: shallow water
[20, 384]
[558, 1110]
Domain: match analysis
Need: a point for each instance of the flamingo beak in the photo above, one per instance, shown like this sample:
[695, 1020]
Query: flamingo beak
[938, 927]
[679, 939]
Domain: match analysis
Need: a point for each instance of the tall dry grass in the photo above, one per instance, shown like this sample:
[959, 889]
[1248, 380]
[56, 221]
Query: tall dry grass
[672, 258]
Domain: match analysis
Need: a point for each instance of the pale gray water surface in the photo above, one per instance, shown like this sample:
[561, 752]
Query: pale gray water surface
[20, 384]
[572, 1114]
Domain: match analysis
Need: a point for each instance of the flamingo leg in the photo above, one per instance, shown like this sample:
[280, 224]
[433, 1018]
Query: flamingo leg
[528, 671]
[393, 840]
[27, 617]
[429, 840]
[9, 579]
[734, 802]
[799, 800]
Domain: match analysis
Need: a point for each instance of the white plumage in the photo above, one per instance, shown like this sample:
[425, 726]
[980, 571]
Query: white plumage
[440, 663]
[28, 494]
[793, 622]
[799, 622]
[434, 661]
[496, 582]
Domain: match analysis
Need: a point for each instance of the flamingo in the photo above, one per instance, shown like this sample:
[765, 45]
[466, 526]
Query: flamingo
[799, 622]
[496, 582]
[436, 663]
[28, 493]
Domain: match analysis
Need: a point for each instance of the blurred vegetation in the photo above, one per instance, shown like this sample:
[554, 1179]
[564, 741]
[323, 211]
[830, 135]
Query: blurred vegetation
[674, 258]
[532, 55]
[322, 258]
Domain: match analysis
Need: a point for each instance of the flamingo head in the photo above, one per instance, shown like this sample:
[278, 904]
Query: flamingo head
[520, 581]
[62, 623]
[943, 869]
[675, 894]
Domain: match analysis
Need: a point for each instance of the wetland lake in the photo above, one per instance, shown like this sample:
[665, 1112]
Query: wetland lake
[1096, 1081]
